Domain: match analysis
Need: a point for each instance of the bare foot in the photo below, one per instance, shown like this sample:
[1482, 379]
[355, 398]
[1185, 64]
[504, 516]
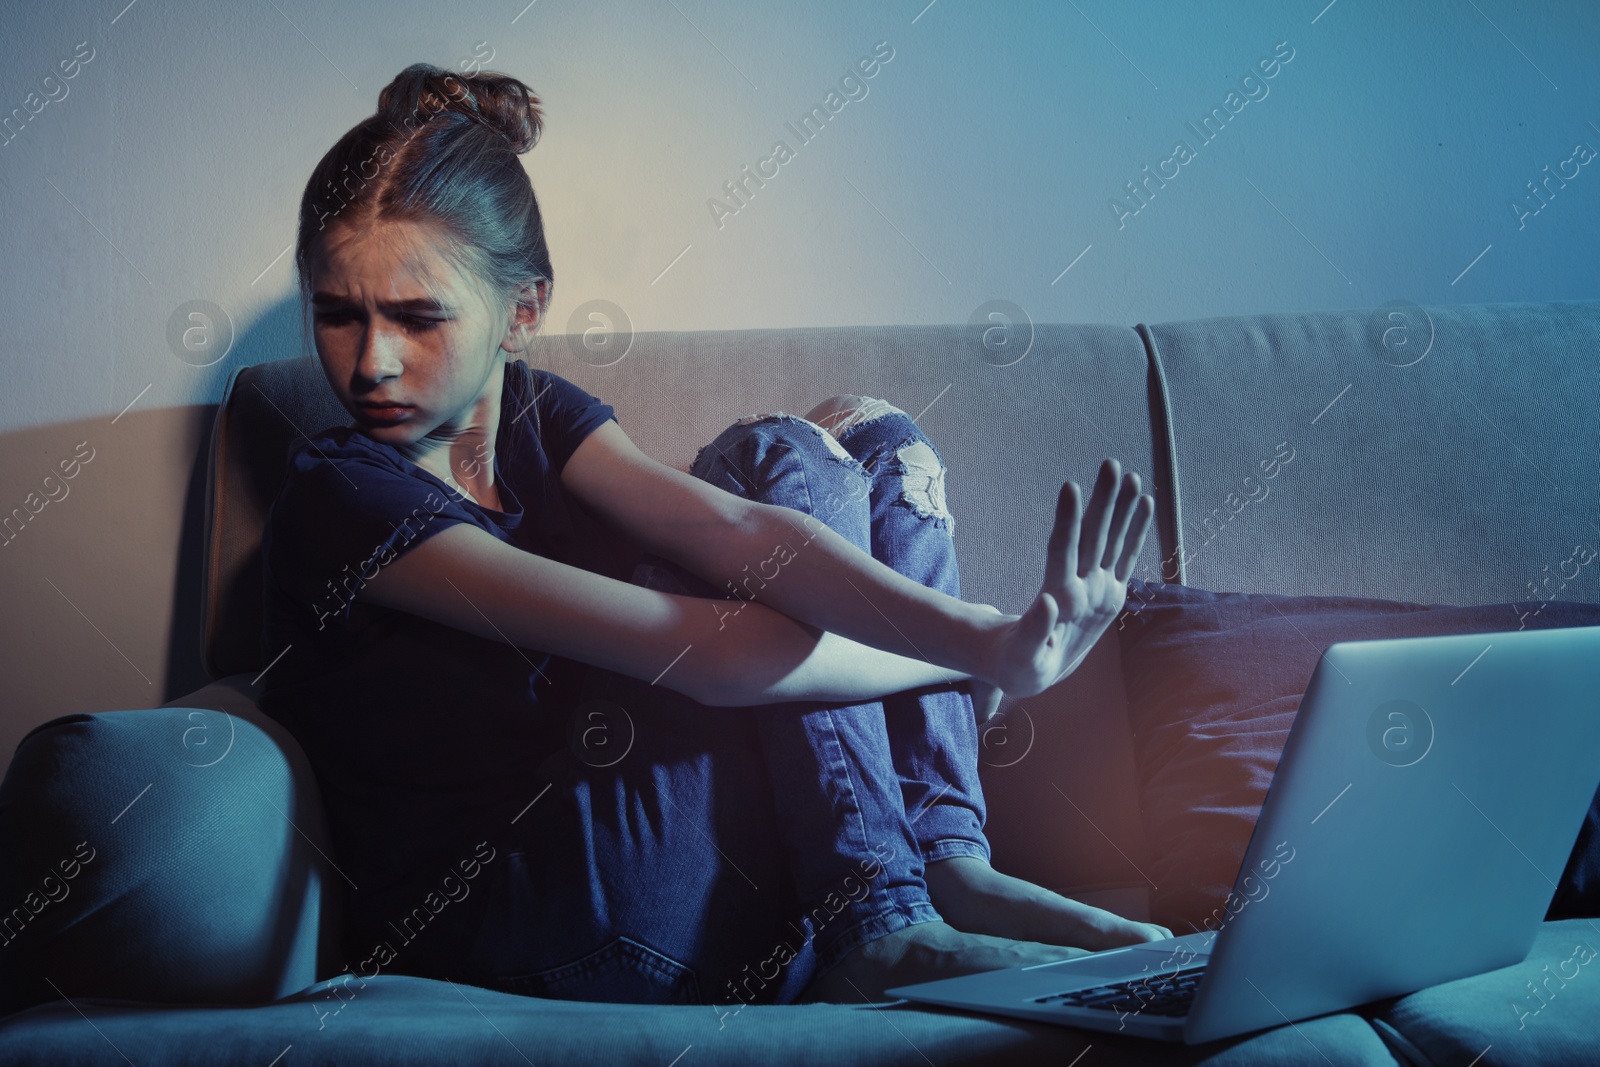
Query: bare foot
[976, 898]
[921, 953]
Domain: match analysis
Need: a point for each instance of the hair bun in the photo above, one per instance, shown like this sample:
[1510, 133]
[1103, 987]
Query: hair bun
[498, 101]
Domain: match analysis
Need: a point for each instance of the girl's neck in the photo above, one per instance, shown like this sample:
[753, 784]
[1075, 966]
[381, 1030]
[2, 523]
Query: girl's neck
[464, 457]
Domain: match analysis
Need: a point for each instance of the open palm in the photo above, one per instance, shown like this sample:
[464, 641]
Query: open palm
[1088, 561]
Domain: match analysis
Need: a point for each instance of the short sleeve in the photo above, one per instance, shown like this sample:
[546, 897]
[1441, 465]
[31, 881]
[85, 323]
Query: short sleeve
[567, 414]
[339, 519]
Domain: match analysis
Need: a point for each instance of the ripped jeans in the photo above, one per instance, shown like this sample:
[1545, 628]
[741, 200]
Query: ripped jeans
[725, 856]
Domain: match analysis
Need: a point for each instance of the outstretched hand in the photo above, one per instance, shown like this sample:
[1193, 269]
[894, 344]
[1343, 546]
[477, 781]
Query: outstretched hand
[1088, 561]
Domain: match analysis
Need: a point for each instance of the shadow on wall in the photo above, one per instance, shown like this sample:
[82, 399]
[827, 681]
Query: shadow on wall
[82, 505]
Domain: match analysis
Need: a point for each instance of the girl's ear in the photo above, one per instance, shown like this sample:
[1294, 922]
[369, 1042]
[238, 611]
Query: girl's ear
[526, 315]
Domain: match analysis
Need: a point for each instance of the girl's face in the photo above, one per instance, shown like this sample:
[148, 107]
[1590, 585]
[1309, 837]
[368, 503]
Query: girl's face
[397, 323]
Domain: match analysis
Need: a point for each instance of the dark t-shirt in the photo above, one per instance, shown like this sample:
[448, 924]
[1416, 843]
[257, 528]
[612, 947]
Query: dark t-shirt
[424, 737]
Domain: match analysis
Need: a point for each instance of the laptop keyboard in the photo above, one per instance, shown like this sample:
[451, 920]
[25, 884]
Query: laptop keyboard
[1169, 993]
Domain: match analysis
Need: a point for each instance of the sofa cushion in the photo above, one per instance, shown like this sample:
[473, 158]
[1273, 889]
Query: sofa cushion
[165, 854]
[400, 1020]
[1214, 680]
[1542, 1010]
[1440, 454]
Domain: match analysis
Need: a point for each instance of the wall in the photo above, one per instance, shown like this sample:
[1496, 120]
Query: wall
[1389, 157]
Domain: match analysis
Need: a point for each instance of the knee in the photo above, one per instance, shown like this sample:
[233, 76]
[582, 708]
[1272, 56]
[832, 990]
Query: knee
[757, 449]
[922, 472]
[839, 413]
[795, 429]
[834, 410]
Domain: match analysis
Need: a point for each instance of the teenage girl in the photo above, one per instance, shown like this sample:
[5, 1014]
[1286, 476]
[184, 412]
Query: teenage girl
[590, 727]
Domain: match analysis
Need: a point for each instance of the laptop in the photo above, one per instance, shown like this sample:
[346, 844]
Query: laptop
[1428, 796]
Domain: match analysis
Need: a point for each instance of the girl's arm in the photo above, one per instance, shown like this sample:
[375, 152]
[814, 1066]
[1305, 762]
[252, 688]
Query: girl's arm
[724, 653]
[799, 566]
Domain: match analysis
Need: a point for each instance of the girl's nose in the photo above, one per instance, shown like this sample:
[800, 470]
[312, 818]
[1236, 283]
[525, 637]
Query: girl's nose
[379, 357]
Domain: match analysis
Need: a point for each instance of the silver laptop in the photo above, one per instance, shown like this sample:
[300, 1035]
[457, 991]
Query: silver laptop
[1426, 802]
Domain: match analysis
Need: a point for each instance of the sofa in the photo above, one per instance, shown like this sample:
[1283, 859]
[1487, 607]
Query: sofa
[180, 903]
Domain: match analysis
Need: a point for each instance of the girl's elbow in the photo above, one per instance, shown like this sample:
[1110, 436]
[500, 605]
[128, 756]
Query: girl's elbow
[709, 693]
[711, 682]
[727, 683]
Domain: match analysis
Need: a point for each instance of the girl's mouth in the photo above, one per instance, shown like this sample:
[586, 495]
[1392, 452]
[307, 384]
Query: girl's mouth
[388, 413]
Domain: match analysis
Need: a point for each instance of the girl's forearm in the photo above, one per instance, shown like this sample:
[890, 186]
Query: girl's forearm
[792, 562]
[762, 656]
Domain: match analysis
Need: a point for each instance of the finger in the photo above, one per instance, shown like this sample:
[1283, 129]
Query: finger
[1097, 520]
[1062, 550]
[1120, 519]
[1049, 612]
[1143, 511]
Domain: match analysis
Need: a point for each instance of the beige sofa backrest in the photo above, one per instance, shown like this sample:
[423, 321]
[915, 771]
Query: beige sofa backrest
[1010, 434]
[1447, 456]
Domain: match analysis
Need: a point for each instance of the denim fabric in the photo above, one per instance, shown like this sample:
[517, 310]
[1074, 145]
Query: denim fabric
[726, 856]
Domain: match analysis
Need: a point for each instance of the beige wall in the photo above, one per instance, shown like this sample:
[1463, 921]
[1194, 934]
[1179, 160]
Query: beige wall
[982, 163]
[102, 584]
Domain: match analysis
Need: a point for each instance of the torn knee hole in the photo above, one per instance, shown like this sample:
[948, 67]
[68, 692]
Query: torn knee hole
[922, 480]
[866, 409]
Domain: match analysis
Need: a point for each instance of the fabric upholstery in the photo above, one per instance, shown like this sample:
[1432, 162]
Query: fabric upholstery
[400, 1020]
[1214, 682]
[1458, 479]
[198, 870]
[265, 408]
[1010, 436]
[1543, 1010]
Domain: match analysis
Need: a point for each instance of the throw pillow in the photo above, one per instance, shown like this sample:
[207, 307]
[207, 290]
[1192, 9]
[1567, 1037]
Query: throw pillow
[1214, 681]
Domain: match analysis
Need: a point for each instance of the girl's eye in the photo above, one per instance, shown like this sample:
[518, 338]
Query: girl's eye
[412, 323]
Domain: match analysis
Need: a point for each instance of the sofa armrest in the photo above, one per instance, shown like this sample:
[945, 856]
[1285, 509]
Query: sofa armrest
[172, 854]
